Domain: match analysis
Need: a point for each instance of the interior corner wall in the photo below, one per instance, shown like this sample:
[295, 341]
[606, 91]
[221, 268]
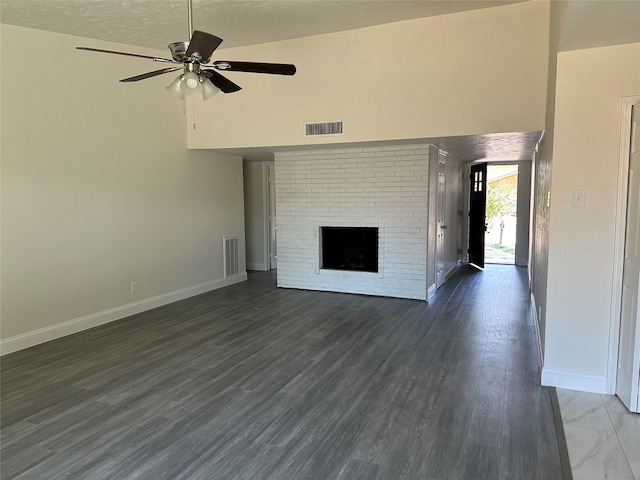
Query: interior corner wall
[588, 108]
[99, 191]
[256, 191]
[475, 72]
[541, 182]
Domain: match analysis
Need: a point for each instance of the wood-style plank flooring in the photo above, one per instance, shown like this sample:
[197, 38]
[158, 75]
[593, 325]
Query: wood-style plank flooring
[255, 382]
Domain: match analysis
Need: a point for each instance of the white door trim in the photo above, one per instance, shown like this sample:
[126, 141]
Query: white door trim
[618, 252]
[271, 226]
[441, 204]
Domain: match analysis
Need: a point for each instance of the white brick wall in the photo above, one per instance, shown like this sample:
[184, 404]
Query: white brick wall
[384, 187]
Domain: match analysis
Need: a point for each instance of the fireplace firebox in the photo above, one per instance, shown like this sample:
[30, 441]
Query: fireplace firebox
[349, 248]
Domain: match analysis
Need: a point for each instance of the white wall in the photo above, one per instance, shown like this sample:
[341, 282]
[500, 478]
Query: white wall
[590, 85]
[99, 190]
[256, 204]
[476, 72]
[384, 187]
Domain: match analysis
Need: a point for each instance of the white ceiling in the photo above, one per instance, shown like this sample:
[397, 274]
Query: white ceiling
[599, 23]
[156, 23]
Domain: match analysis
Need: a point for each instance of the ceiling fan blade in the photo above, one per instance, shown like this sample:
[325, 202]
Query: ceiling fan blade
[150, 74]
[256, 67]
[202, 45]
[155, 59]
[223, 83]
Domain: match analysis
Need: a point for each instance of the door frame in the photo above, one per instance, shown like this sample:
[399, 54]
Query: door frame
[466, 198]
[476, 195]
[272, 226]
[619, 240]
[441, 203]
[525, 208]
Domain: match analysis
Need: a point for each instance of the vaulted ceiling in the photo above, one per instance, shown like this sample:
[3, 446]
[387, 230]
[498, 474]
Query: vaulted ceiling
[156, 23]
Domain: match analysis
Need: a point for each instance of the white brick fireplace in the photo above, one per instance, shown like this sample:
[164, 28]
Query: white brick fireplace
[382, 187]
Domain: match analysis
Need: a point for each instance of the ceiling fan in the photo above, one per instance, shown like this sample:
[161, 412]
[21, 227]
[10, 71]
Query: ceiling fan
[198, 77]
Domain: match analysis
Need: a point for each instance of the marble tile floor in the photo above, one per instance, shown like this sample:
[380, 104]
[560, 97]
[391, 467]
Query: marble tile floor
[603, 437]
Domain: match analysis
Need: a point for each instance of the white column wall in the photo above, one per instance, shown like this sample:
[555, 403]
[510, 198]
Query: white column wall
[586, 156]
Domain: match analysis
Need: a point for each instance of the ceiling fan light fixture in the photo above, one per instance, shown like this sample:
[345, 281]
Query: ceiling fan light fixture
[175, 87]
[208, 88]
[193, 57]
[190, 84]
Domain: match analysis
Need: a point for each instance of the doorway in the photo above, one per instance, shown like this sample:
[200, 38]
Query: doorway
[260, 215]
[272, 242]
[474, 236]
[501, 214]
[441, 226]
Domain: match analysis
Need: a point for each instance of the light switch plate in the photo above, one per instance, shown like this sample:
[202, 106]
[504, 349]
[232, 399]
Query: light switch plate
[578, 198]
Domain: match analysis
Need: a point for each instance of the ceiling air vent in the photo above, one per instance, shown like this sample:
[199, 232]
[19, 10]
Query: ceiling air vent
[324, 128]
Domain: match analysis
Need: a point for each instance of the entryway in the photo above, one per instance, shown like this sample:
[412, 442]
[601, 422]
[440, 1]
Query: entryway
[501, 214]
[499, 208]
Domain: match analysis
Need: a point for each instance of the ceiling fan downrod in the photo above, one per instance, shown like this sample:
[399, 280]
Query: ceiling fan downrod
[190, 17]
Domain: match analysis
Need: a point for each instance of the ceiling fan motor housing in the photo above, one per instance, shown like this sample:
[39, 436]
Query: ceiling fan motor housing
[179, 51]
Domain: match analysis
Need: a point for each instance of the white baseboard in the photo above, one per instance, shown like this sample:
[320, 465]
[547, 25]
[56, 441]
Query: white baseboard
[431, 292]
[536, 321]
[26, 340]
[450, 272]
[583, 382]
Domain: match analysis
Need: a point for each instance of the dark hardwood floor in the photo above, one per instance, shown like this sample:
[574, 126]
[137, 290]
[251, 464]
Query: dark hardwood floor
[255, 382]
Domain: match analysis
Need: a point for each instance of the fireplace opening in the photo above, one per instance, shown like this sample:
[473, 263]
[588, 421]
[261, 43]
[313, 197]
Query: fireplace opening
[349, 248]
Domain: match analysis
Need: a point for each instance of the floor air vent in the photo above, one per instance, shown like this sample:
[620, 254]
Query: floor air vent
[326, 128]
[230, 247]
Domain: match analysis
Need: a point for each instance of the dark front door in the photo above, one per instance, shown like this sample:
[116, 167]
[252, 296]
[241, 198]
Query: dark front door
[477, 211]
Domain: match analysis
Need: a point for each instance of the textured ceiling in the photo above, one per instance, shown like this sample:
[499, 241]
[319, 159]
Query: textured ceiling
[494, 147]
[156, 23]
